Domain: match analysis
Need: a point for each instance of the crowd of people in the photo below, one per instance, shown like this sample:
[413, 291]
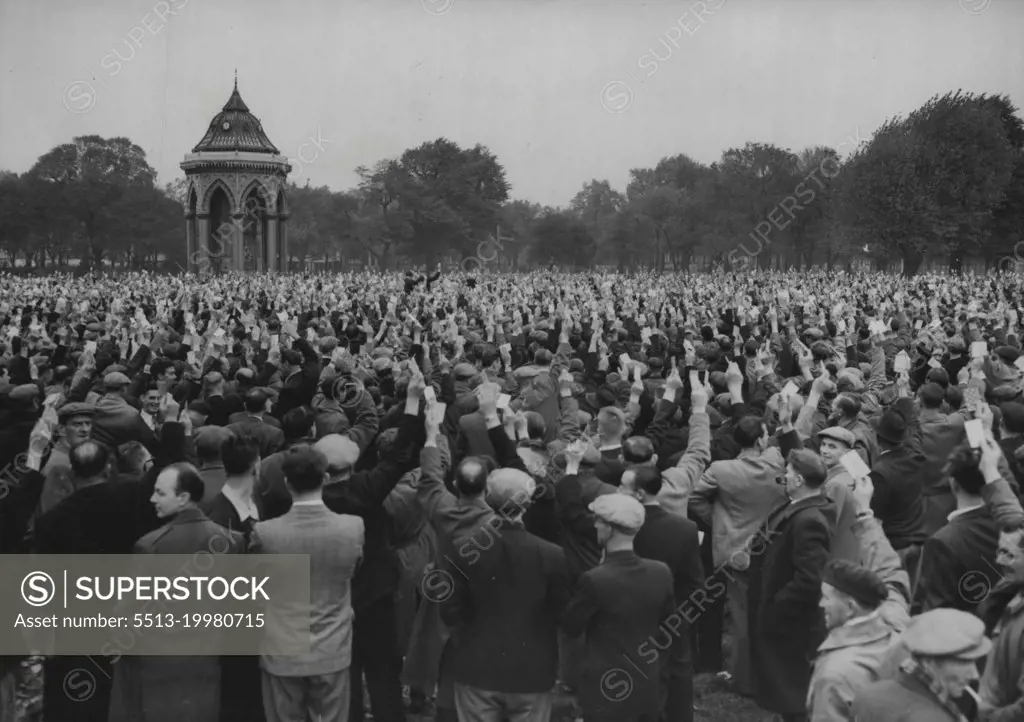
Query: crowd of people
[513, 488]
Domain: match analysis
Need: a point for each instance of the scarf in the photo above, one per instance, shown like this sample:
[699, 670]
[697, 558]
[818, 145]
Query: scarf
[913, 669]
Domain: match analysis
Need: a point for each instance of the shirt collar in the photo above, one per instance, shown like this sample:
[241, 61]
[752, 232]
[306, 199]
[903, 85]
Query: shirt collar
[244, 505]
[960, 512]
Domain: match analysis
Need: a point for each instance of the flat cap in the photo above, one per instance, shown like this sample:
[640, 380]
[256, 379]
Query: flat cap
[619, 510]
[1008, 354]
[957, 345]
[527, 372]
[464, 371]
[947, 633]
[838, 433]
[859, 582]
[69, 411]
[116, 380]
[340, 451]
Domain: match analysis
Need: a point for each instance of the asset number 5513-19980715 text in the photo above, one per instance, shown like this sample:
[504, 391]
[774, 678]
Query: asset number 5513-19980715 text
[198, 621]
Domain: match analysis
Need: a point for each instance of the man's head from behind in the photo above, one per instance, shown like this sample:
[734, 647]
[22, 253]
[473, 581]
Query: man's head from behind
[305, 470]
[341, 454]
[471, 476]
[750, 433]
[241, 456]
[90, 462]
[256, 401]
[966, 479]
[617, 518]
[299, 423]
[642, 482]
[638, 450]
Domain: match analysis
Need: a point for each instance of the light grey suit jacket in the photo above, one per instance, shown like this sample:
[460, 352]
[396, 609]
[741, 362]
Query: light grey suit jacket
[334, 543]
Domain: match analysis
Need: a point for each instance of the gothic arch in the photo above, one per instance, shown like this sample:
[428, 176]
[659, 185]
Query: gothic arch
[219, 183]
[264, 190]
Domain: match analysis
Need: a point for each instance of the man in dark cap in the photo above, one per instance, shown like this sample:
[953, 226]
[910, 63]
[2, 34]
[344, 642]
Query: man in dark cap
[940, 434]
[787, 557]
[1011, 437]
[269, 438]
[897, 476]
[116, 421]
[75, 427]
[859, 640]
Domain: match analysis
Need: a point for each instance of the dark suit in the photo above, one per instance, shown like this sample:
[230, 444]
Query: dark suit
[672, 539]
[243, 415]
[473, 437]
[270, 438]
[504, 616]
[104, 518]
[958, 564]
[175, 688]
[375, 649]
[898, 501]
[620, 606]
[239, 674]
[787, 558]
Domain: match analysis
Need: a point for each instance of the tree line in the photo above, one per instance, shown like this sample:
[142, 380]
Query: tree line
[943, 186]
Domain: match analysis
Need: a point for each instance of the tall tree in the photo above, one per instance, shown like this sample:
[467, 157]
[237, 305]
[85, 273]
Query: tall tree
[90, 175]
[929, 184]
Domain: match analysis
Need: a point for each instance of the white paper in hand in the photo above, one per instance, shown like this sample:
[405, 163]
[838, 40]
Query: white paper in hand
[934, 363]
[975, 433]
[854, 465]
[430, 395]
[1019, 363]
[979, 349]
[503, 401]
[901, 362]
[790, 390]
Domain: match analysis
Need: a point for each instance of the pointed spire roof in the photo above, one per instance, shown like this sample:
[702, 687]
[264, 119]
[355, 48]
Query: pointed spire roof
[235, 128]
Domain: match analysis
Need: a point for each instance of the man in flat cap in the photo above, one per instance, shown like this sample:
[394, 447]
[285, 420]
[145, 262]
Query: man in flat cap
[945, 646]
[858, 644]
[1011, 437]
[834, 443]
[940, 433]
[504, 614]
[787, 558]
[619, 607]
[74, 428]
[116, 421]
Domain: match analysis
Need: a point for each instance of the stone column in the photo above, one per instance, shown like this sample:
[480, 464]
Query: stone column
[284, 242]
[238, 242]
[201, 262]
[190, 240]
[273, 264]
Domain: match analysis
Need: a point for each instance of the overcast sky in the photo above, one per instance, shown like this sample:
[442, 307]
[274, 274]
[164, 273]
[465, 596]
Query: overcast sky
[552, 87]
